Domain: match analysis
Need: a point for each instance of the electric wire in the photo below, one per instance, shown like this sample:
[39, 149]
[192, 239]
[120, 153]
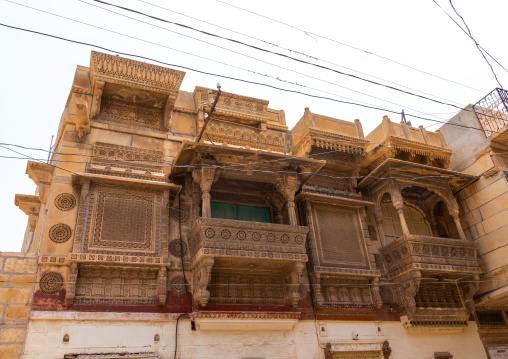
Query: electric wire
[244, 55]
[468, 34]
[276, 53]
[241, 80]
[350, 46]
[292, 51]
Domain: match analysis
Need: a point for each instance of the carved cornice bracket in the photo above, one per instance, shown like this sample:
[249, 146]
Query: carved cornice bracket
[98, 90]
[294, 281]
[30, 205]
[42, 175]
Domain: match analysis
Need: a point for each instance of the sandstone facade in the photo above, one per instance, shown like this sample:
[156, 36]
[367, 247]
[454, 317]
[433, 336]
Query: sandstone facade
[257, 240]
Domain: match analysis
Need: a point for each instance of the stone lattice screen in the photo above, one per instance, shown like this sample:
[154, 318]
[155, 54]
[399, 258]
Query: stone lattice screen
[17, 277]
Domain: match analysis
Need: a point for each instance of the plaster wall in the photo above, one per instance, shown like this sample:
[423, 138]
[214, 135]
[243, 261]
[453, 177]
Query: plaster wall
[132, 336]
[465, 142]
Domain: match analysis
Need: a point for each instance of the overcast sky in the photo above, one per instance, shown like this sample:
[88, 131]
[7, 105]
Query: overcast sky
[37, 71]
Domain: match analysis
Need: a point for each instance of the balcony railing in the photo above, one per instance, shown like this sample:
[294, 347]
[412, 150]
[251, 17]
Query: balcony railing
[231, 238]
[431, 254]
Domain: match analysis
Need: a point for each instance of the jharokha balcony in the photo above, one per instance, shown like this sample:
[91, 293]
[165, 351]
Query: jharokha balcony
[230, 258]
[444, 255]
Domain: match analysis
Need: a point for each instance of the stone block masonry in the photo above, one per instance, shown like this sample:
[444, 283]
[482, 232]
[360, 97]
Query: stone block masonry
[17, 283]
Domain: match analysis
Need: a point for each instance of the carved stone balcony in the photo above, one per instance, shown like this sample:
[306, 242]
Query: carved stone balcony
[222, 246]
[444, 255]
[213, 237]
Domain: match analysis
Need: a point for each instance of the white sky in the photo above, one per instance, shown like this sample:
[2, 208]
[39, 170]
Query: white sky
[37, 72]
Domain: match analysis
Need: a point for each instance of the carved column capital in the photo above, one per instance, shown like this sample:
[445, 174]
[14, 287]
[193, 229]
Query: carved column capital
[205, 177]
[287, 186]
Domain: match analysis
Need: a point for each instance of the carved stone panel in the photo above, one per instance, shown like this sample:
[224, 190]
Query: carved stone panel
[116, 285]
[118, 111]
[118, 222]
[238, 288]
[339, 237]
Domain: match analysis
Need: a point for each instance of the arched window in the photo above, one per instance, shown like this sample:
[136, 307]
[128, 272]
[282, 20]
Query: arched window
[415, 220]
[444, 222]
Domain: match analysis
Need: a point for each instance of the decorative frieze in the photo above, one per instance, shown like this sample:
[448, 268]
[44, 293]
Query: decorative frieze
[112, 259]
[123, 71]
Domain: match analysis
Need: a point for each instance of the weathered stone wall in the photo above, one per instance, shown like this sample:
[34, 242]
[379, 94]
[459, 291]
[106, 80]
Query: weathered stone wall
[17, 280]
[122, 333]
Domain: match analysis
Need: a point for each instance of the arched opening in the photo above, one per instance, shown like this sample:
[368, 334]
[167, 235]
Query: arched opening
[415, 219]
[445, 225]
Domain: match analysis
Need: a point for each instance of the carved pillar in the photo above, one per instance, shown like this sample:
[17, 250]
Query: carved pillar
[205, 177]
[71, 284]
[294, 282]
[287, 186]
[398, 203]
[202, 278]
[161, 286]
[453, 208]
[376, 296]
[319, 299]
[378, 216]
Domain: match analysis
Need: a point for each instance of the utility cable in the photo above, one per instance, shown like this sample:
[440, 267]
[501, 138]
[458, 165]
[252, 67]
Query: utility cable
[277, 54]
[468, 34]
[236, 79]
[244, 55]
[350, 46]
[290, 50]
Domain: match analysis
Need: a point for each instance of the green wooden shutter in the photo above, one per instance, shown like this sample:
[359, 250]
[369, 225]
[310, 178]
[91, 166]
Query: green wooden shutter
[241, 212]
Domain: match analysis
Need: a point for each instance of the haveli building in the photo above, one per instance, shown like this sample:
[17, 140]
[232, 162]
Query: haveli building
[252, 241]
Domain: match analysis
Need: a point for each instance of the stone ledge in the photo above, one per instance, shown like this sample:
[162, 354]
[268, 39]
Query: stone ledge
[102, 316]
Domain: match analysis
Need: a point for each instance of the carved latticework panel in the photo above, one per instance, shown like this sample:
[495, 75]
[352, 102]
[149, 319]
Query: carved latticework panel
[346, 293]
[242, 288]
[125, 161]
[340, 236]
[118, 111]
[118, 222]
[438, 295]
[116, 285]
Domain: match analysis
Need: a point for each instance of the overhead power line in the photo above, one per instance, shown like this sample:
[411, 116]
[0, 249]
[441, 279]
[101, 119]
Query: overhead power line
[278, 54]
[237, 79]
[292, 51]
[468, 34]
[216, 61]
[350, 46]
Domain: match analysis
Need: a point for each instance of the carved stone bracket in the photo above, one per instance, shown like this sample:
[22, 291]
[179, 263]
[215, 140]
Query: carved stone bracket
[378, 302]
[81, 118]
[294, 282]
[98, 89]
[161, 286]
[411, 286]
[71, 284]
[287, 186]
[42, 175]
[319, 299]
[468, 291]
[277, 202]
[30, 205]
[202, 276]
